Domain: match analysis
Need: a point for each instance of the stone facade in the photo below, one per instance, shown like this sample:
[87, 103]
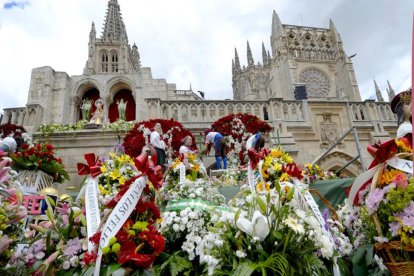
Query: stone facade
[308, 56]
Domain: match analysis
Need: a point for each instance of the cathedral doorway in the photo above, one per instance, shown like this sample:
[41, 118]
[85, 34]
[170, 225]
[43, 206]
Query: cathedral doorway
[126, 95]
[92, 95]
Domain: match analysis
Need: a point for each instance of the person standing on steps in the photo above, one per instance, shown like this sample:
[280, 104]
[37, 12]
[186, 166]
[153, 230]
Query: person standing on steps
[159, 144]
[216, 139]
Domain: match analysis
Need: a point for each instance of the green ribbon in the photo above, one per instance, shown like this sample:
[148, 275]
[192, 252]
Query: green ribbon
[195, 204]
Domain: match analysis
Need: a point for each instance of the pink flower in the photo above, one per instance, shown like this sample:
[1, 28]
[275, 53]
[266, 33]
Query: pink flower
[401, 180]
[4, 243]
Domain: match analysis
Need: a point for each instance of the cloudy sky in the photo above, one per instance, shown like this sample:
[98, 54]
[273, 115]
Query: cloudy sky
[193, 41]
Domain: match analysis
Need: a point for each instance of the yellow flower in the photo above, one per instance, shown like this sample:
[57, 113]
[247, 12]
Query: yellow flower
[114, 174]
[288, 159]
[284, 177]
[277, 167]
[264, 173]
[268, 161]
[112, 155]
[122, 180]
[403, 146]
[275, 153]
[259, 186]
[176, 163]
[102, 190]
[195, 168]
[387, 177]
[104, 169]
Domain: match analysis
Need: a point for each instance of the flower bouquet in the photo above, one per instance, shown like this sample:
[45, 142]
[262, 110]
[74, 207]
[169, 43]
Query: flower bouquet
[57, 245]
[193, 167]
[384, 207]
[192, 207]
[138, 242]
[40, 157]
[86, 108]
[312, 173]
[275, 233]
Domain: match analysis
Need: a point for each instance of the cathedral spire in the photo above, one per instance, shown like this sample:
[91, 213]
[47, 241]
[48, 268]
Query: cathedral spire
[233, 69]
[114, 28]
[277, 28]
[236, 60]
[264, 55]
[391, 93]
[335, 34]
[136, 59]
[378, 92]
[250, 61]
[92, 33]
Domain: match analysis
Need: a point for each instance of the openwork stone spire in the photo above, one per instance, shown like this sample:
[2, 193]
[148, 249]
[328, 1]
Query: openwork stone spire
[250, 60]
[378, 92]
[391, 93]
[114, 28]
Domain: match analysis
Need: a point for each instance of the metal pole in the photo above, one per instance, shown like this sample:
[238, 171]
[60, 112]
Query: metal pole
[358, 148]
[347, 164]
[334, 145]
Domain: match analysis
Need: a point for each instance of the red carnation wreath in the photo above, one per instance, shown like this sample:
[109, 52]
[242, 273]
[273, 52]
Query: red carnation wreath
[173, 135]
[237, 128]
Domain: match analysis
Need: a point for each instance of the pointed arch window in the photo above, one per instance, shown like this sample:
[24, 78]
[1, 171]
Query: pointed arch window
[114, 62]
[104, 61]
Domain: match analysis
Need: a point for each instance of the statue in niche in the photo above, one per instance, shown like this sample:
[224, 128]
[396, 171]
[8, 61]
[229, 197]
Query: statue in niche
[329, 131]
[98, 116]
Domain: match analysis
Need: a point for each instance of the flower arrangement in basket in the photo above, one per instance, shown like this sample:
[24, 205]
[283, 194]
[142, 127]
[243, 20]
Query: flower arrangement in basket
[40, 157]
[384, 211]
[237, 128]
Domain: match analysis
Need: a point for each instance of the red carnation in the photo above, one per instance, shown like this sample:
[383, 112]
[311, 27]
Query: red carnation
[90, 257]
[96, 237]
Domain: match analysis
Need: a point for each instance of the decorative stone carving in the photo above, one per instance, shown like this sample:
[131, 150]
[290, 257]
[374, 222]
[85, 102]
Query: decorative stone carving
[317, 84]
[329, 131]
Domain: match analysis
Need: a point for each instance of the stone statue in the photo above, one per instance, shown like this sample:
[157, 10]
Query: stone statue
[98, 115]
[121, 109]
[329, 132]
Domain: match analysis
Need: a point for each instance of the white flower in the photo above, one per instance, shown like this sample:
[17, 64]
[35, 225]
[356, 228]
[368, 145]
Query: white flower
[176, 227]
[241, 254]
[294, 225]
[66, 265]
[74, 261]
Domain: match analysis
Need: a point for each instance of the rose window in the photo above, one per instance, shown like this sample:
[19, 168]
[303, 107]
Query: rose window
[317, 84]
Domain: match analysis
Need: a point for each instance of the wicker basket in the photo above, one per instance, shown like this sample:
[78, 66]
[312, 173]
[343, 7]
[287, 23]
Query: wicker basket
[399, 259]
[34, 181]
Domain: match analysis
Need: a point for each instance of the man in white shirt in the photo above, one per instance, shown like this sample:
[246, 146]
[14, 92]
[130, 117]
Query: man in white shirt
[216, 139]
[159, 144]
[256, 142]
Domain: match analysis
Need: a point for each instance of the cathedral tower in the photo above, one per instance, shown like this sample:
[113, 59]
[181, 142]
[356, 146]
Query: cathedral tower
[111, 54]
[301, 55]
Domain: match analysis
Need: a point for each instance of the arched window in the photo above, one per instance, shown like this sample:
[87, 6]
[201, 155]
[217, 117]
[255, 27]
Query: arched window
[114, 62]
[104, 62]
[126, 95]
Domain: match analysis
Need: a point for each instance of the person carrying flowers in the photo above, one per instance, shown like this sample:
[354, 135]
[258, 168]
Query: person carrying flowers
[219, 142]
[186, 147]
[159, 144]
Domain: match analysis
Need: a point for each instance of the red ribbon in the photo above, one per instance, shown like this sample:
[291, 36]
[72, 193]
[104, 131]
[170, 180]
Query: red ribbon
[146, 166]
[93, 167]
[382, 151]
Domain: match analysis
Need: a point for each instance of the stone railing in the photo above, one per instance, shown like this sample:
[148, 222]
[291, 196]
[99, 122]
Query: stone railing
[14, 115]
[30, 116]
[371, 111]
[205, 111]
